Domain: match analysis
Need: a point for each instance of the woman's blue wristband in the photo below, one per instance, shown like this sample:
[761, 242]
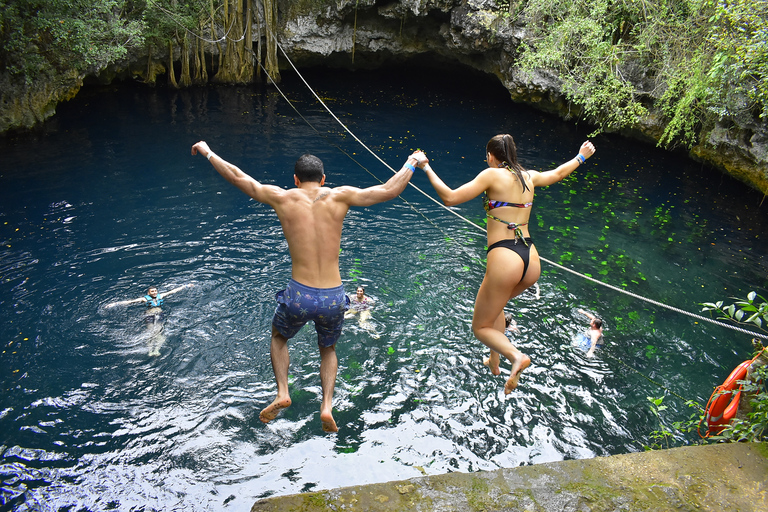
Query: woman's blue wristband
[581, 158]
[412, 168]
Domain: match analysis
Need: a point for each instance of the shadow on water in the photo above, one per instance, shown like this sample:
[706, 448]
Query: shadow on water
[104, 200]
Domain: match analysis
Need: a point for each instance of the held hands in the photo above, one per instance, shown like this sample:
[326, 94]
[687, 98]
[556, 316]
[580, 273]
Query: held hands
[420, 157]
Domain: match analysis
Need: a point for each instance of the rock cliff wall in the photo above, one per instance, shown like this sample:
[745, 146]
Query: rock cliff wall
[472, 33]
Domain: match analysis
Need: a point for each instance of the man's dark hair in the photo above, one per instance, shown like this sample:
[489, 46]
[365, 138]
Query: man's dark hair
[598, 323]
[309, 168]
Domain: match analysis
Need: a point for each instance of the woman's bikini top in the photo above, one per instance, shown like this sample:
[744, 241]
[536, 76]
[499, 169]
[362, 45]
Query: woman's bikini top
[489, 205]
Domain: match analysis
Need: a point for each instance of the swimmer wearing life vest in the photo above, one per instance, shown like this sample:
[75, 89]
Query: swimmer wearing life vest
[153, 317]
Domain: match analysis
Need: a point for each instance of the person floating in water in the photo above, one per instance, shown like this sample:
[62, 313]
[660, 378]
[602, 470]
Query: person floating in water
[593, 338]
[361, 306]
[312, 217]
[153, 317]
[512, 262]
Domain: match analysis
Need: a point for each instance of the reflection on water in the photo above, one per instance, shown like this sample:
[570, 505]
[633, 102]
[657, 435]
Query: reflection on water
[104, 200]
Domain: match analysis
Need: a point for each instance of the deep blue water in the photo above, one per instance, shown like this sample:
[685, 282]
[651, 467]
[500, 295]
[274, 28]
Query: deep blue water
[104, 200]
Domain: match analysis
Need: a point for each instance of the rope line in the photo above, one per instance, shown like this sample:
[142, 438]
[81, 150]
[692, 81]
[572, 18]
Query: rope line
[588, 278]
[657, 303]
[480, 228]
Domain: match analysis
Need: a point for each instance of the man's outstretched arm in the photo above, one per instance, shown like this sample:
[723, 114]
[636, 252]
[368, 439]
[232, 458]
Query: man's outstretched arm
[234, 175]
[125, 302]
[386, 191]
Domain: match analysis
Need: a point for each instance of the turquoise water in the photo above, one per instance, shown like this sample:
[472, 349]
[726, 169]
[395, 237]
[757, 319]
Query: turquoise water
[104, 200]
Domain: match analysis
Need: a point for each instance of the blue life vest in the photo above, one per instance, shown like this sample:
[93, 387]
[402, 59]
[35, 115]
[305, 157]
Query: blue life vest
[153, 303]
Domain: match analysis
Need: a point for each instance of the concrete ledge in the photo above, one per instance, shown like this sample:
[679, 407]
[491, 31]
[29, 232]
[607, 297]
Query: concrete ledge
[717, 478]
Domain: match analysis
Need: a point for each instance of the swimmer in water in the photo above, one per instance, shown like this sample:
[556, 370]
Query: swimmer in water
[511, 325]
[361, 306]
[593, 338]
[153, 317]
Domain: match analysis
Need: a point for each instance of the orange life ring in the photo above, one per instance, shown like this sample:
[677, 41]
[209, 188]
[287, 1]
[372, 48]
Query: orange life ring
[724, 402]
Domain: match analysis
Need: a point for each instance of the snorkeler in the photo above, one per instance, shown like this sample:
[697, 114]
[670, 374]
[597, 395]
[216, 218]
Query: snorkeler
[153, 317]
[312, 218]
[593, 338]
[513, 263]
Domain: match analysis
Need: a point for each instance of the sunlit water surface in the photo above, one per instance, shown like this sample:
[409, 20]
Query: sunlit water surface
[105, 200]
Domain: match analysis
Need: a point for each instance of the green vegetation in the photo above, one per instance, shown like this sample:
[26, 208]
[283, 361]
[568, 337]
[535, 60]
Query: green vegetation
[40, 38]
[753, 425]
[746, 312]
[695, 61]
[45, 36]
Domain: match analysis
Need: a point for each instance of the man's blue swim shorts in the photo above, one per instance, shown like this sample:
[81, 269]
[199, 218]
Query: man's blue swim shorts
[298, 304]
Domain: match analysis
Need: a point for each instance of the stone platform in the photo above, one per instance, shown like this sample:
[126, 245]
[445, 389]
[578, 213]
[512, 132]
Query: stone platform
[716, 478]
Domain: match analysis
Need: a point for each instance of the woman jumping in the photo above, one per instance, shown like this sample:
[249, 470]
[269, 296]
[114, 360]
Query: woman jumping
[513, 262]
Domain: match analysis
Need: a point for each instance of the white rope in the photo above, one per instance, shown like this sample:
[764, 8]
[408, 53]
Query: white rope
[612, 287]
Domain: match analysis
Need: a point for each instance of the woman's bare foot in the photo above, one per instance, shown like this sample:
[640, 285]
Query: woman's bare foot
[329, 424]
[521, 363]
[492, 363]
[271, 411]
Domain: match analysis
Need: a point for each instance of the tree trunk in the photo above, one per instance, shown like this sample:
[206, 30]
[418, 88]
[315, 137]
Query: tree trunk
[246, 57]
[151, 77]
[171, 72]
[201, 73]
[225, 73]
[186, 79]
[258, 45]
[270, 20]
[215, 37]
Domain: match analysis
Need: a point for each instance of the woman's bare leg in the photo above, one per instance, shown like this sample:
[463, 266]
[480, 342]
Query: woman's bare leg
[492, 361]
[503, 280]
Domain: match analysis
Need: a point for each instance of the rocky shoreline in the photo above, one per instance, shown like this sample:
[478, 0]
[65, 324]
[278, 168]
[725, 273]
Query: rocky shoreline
[710, 478]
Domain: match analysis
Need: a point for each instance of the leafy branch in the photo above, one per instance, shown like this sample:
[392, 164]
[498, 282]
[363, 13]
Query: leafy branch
[746, 312]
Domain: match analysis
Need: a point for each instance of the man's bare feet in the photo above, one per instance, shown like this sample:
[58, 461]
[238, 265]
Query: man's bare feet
[329, 424]
[520, 364]
[492, 363]
[271, 411]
